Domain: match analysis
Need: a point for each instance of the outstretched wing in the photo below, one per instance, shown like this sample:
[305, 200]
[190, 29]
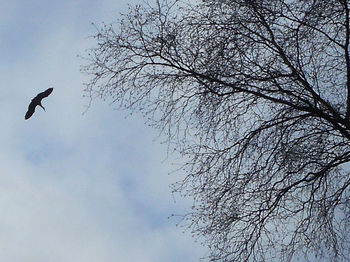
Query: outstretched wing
[37, 101]
[44, 94]
[31, 110]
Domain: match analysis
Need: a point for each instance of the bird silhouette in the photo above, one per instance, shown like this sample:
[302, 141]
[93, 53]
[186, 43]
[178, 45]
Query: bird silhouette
[36, 101]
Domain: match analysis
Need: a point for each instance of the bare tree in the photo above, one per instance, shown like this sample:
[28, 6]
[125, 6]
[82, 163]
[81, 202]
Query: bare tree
[255, 94]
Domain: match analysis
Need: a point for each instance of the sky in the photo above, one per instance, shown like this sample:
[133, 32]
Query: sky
[73, 186]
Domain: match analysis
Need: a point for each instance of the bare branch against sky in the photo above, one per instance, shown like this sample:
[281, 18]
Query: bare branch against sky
[255, 95]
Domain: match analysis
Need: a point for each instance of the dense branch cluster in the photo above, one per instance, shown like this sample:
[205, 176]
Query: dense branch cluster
[256, 96]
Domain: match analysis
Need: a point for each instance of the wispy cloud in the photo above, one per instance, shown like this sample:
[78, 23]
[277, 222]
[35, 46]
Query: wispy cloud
[75, 187]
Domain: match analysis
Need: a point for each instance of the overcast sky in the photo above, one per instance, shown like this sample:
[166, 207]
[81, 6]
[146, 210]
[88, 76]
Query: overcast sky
[75, 187]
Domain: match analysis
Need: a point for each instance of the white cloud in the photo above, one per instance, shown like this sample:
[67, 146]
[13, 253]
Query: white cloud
[76, 187]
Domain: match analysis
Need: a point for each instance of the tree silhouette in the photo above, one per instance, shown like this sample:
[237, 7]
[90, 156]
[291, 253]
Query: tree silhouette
[255, 94]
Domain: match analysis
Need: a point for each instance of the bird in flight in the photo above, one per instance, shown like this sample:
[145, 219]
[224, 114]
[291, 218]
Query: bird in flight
[36, 101]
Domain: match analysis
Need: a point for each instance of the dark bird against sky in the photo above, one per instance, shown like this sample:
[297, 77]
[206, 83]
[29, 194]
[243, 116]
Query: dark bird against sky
[36, 101]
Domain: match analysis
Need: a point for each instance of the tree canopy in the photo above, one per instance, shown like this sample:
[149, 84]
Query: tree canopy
[255, 95]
